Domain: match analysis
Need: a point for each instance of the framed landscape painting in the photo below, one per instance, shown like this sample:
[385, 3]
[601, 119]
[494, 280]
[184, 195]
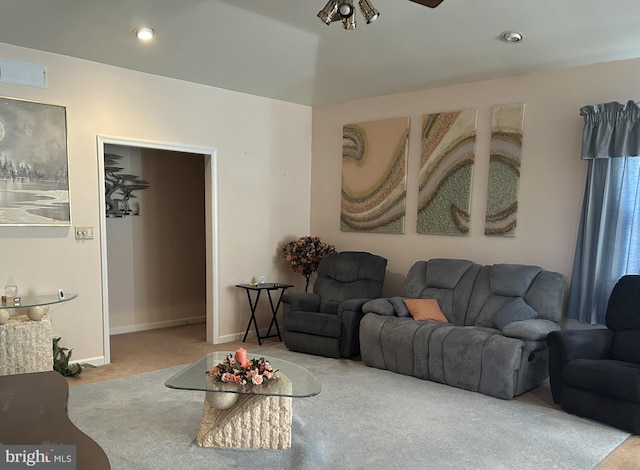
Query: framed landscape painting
[34, 176]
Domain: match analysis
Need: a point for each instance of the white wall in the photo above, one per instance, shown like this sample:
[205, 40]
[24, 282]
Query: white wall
[263, 150]
[552, 174]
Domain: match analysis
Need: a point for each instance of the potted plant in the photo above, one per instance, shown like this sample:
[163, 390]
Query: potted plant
[304, 255]
[61, 361]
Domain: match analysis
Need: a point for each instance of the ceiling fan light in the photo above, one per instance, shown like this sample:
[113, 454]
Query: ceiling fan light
[349, 23]
[345, 9]
[368, 11]
[328, 13]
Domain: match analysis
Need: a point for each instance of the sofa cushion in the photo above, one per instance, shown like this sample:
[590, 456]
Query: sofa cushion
[605, 376]
[446, 273]
[399, 306]
[348, 275]
[425, 309]
[499, 284]
[473, 358]
[512, 280]
[448, 280]
[516, 310]
[624, 346]
[546, 294]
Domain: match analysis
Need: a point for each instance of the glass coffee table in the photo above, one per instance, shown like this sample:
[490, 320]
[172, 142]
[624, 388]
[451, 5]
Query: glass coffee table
[246, 416]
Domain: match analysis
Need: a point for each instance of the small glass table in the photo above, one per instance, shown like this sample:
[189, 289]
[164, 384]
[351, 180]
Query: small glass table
[228, 406]
[37, 300]
[26, 339]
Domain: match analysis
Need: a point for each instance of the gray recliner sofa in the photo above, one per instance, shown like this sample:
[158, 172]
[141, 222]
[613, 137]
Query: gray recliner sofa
[495, 342]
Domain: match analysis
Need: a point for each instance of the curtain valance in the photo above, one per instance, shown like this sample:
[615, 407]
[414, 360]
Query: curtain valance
[611, 130]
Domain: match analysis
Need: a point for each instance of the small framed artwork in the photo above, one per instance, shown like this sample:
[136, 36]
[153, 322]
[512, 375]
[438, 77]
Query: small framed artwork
[34, 166]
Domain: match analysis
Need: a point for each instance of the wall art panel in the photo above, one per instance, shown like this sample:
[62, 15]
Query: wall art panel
[374, 174]
[446, 171]
[507, 124]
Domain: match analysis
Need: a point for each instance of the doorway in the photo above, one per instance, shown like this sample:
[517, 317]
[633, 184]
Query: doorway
[209, 160]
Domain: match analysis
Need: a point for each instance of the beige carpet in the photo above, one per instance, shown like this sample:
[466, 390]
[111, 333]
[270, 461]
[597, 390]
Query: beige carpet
[145, 351]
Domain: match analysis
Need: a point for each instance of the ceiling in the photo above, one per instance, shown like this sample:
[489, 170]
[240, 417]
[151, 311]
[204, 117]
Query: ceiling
[280, 49]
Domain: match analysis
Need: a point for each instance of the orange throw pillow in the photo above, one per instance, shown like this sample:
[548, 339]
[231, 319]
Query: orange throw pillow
[425, 309]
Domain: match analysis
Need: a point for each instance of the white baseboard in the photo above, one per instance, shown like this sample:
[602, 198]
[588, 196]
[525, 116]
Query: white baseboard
[232, 337]
[252, 335]
[99, 360]
[155, 325]
[94, 361]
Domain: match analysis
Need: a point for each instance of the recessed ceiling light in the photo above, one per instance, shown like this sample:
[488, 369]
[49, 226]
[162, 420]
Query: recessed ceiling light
[511, 37]
[144, 33]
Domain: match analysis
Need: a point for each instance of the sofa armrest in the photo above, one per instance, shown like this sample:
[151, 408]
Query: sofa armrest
[350, 313]
[301, 301]
[581, 344]
[352, 305]
[379, 307]
[387, 306]
[534, 330]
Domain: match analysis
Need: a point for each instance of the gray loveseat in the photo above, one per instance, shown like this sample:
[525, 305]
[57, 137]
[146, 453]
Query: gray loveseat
[495, 342]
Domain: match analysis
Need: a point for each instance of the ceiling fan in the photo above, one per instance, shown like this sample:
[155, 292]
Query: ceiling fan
[345, 11]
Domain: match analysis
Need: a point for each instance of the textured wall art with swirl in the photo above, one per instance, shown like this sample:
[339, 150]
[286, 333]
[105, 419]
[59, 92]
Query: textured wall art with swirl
[446, 171]
[374, 175]
[507, 124]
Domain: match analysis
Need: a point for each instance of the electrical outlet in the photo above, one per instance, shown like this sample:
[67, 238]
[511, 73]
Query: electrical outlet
[84, 232]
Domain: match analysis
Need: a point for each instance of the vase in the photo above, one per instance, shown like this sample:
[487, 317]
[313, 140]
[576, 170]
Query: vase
[4, 316]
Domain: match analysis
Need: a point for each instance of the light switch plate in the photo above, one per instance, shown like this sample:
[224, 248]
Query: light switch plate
[83, 232]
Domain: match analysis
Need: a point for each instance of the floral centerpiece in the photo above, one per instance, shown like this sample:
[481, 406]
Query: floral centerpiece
[254, 371]
[304, 255]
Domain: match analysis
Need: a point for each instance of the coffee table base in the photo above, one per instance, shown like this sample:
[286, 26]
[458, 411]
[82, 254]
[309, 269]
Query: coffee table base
[248, 421]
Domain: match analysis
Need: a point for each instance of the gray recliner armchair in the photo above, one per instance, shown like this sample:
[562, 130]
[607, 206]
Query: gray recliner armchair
[326, 322]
